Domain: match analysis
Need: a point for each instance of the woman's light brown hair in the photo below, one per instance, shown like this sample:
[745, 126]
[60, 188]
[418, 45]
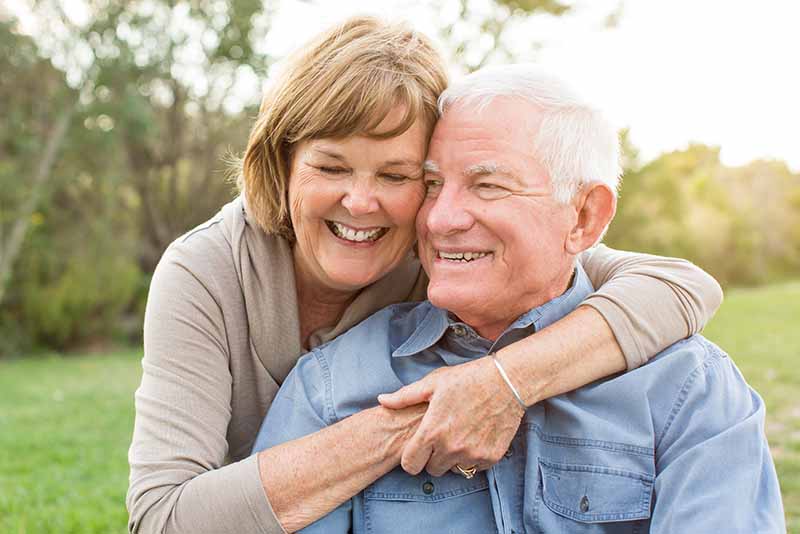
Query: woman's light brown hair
[344, 82]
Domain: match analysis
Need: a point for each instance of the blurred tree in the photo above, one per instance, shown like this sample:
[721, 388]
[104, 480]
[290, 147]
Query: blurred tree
[168, 80]
[740, 223]
[476, 32]
[155, 92]
[36, 113]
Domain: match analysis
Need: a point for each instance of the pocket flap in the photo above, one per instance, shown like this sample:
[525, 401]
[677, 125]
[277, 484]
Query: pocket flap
[398, 485]
[595, 494]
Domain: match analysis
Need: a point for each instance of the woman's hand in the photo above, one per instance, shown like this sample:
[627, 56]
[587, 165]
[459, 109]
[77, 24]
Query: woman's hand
[471, 419]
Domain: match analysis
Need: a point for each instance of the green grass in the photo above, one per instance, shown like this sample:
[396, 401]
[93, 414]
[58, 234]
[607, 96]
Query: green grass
[65, 422]
[760, 329]
[65, 428]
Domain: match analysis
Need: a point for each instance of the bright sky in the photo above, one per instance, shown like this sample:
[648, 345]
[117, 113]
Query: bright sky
[721, 72]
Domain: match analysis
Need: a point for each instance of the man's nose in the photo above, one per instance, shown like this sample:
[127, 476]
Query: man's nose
[360, 197]
[449, 213]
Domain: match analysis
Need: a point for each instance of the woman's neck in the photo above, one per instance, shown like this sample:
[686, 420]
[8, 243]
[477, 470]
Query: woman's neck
[318, 306]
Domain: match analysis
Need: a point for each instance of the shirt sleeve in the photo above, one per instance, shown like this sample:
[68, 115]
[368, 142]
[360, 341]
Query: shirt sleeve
[650, 302]
[713, 464]
[303, 406]
[179, 482]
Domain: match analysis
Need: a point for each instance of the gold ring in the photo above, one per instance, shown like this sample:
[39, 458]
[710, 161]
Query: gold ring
[468, 472]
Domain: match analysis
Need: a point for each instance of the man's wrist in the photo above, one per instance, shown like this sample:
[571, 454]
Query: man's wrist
[509, 384]
[528, 379]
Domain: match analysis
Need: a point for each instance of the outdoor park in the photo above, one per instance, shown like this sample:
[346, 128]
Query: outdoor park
[125, 120]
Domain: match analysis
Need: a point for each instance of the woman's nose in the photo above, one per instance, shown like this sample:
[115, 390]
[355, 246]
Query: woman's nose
[360, 197]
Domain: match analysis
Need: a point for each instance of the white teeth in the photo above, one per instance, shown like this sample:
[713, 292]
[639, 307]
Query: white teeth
[461, 256]
[355, 235]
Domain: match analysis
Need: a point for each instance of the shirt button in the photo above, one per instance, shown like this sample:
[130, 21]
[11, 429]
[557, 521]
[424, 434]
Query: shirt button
[427, 488]
[584, 504]
[459, 330]
[509, 453]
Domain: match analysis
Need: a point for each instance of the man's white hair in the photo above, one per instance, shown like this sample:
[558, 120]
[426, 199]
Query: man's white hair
[576, 143]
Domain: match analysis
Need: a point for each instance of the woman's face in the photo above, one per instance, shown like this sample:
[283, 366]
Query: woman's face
[353, 202]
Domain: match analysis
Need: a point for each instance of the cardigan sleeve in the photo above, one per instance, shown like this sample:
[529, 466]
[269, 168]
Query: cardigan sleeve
[650, 302]
[179, 480]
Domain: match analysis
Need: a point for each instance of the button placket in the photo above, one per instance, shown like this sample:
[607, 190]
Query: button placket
[459, 330]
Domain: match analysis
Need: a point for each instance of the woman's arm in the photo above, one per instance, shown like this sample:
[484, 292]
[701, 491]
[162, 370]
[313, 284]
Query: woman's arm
[643, 304]
[311, 461]
[179, 480]
[306, 478]
[650, 302]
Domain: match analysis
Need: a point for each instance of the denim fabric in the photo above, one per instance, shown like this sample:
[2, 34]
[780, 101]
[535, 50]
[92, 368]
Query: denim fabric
[676, 445]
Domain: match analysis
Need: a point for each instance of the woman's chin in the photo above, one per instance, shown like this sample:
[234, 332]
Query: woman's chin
[352, 281]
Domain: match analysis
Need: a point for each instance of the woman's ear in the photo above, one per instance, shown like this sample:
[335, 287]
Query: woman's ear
[595, 206]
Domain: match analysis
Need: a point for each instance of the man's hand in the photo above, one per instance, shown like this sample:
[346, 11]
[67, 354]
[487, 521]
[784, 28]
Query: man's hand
[471, 419]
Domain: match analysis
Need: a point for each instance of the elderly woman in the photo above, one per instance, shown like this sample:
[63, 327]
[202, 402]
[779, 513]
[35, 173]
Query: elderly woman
[321, 238]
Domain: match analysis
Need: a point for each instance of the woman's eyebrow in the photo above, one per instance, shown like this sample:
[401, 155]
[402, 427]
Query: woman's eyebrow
[330, 154]
[410, 162]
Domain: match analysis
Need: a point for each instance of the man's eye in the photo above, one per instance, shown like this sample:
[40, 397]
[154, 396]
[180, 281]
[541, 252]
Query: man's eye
[433, 186]
[491, 191]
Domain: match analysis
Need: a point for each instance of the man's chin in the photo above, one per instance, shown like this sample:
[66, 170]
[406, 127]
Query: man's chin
[452, 298]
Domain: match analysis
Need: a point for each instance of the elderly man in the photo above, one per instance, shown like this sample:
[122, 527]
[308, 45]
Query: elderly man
[521, 178]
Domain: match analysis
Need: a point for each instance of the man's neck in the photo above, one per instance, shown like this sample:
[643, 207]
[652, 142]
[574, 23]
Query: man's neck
[492, 328]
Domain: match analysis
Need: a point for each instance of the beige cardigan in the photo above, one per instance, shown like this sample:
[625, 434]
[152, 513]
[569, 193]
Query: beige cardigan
[221, 333]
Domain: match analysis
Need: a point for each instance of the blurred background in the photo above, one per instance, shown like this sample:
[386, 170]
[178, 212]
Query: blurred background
[118, 121]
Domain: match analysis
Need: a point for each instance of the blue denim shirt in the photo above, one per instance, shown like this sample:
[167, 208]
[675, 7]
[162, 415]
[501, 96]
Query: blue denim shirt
[675, 446]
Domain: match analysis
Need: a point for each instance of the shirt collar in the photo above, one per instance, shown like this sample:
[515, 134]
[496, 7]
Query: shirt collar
[433, 322]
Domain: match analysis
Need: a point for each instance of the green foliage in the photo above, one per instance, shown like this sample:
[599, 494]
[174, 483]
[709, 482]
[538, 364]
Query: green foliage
[739, 223]
[551, 7]
[142, 162]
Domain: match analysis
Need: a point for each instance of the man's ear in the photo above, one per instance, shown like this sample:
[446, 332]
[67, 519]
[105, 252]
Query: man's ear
[595, 206]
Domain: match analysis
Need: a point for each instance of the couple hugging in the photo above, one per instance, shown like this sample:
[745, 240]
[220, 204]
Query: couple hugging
[507, 375]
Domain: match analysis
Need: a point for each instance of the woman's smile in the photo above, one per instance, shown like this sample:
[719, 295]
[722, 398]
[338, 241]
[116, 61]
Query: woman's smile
[353, 203]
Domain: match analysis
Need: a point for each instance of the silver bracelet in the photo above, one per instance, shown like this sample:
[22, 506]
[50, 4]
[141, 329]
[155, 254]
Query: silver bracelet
[508, 381]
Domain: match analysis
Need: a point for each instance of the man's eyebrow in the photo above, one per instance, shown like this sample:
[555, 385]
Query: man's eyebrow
[490, 167]
[430, 166]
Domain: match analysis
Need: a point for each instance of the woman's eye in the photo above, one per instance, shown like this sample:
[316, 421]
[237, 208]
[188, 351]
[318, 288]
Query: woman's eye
[395, 178]
[333, 170]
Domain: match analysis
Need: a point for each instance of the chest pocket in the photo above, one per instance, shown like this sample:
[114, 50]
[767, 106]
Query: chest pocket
[399, 502]
[588, 499]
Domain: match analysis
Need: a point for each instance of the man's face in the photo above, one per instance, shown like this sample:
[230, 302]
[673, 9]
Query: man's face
[491, 235]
